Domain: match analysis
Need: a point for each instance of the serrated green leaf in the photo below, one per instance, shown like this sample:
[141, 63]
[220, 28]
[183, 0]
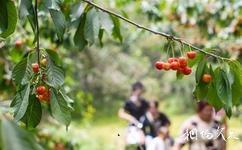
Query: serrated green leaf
[33, 114]
[237, 84]
[22, 72]
[59, 108]
[92, 26]
[55, 75]
[16, 138]
[116, 29]
[53, 56]
[79, 38]
[20, 102]
[223, 87]
[8, 18]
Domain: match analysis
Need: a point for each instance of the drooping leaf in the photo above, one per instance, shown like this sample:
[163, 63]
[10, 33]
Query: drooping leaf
[92, 26]
[59, 21]
[20, 102]
[223, 87]
[106, 22]
[116, 29]
[55, 75]
[27, 10]
[8, 18]
[22, 72]
[16, 138]
[79, 38]
[33, 114]
[237, 84]
[53, 56]
[59, 108]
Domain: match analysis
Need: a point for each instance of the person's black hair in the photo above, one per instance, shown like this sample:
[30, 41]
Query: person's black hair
[201, 105]
[156, 103]
[137, 86]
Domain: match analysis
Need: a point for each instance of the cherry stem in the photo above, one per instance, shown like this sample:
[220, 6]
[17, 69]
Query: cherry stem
[37, 32]
[168, 36]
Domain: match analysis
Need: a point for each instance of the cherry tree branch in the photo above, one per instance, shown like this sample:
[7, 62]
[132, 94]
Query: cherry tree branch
[168, 36]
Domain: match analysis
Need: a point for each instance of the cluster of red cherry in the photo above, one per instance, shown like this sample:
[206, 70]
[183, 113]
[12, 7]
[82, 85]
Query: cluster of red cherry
[43, 92]
[177, 64]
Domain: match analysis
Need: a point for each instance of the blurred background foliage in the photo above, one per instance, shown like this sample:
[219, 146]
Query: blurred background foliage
[99, 77]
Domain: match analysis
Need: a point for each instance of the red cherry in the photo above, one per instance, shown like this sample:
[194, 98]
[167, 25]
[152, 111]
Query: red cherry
[191, 55]
[44, 97]
[18, 44]
[207, 78]
[35, 67]
[41, 89]
[183, 62]
[174, 65]
[187, 71]
[159, 65]
[166, 66]
[170, 60]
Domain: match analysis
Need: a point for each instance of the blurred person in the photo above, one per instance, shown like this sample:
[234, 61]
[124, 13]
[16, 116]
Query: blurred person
[162, 141]
[152, 121]
[132, 110]
[202, 131]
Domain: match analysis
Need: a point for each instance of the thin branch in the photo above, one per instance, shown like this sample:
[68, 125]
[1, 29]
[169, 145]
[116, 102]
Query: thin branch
[37, 31]
[169, 37]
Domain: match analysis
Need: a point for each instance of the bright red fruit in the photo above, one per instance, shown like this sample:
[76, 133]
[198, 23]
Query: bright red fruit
[182, 62]
[174, 65]
[35, 67]
[159, 65]
[170, 60]
[44, 97]
[187, 71]
[191, 55]
[166, 66]
[41, 89]
[18, 44]
[207, 78]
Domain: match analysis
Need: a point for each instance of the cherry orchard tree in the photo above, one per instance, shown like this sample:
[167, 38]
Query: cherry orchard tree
[39, 78]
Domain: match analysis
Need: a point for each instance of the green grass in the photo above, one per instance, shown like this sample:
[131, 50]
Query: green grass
[102, 132]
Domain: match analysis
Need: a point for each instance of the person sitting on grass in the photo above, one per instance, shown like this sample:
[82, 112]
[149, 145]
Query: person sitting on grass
[132, 110]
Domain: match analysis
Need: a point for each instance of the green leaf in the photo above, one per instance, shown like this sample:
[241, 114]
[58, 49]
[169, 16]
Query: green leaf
[92, 26]
[200, 70]
[106, 22]
[8, 18]
[16, 138]
[100, 36]
[22, 72]
[179, 76]
[20, 102]
[55, 75]
[237, 84]
[33, 114]
[223, 87]
[59, 21]
[59, 108]
[79, 38]
[116, 29]
[53, 56]
[27, 10]
[213, 98]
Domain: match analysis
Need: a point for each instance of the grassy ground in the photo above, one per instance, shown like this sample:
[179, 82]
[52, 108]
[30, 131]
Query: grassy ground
[102, 133]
